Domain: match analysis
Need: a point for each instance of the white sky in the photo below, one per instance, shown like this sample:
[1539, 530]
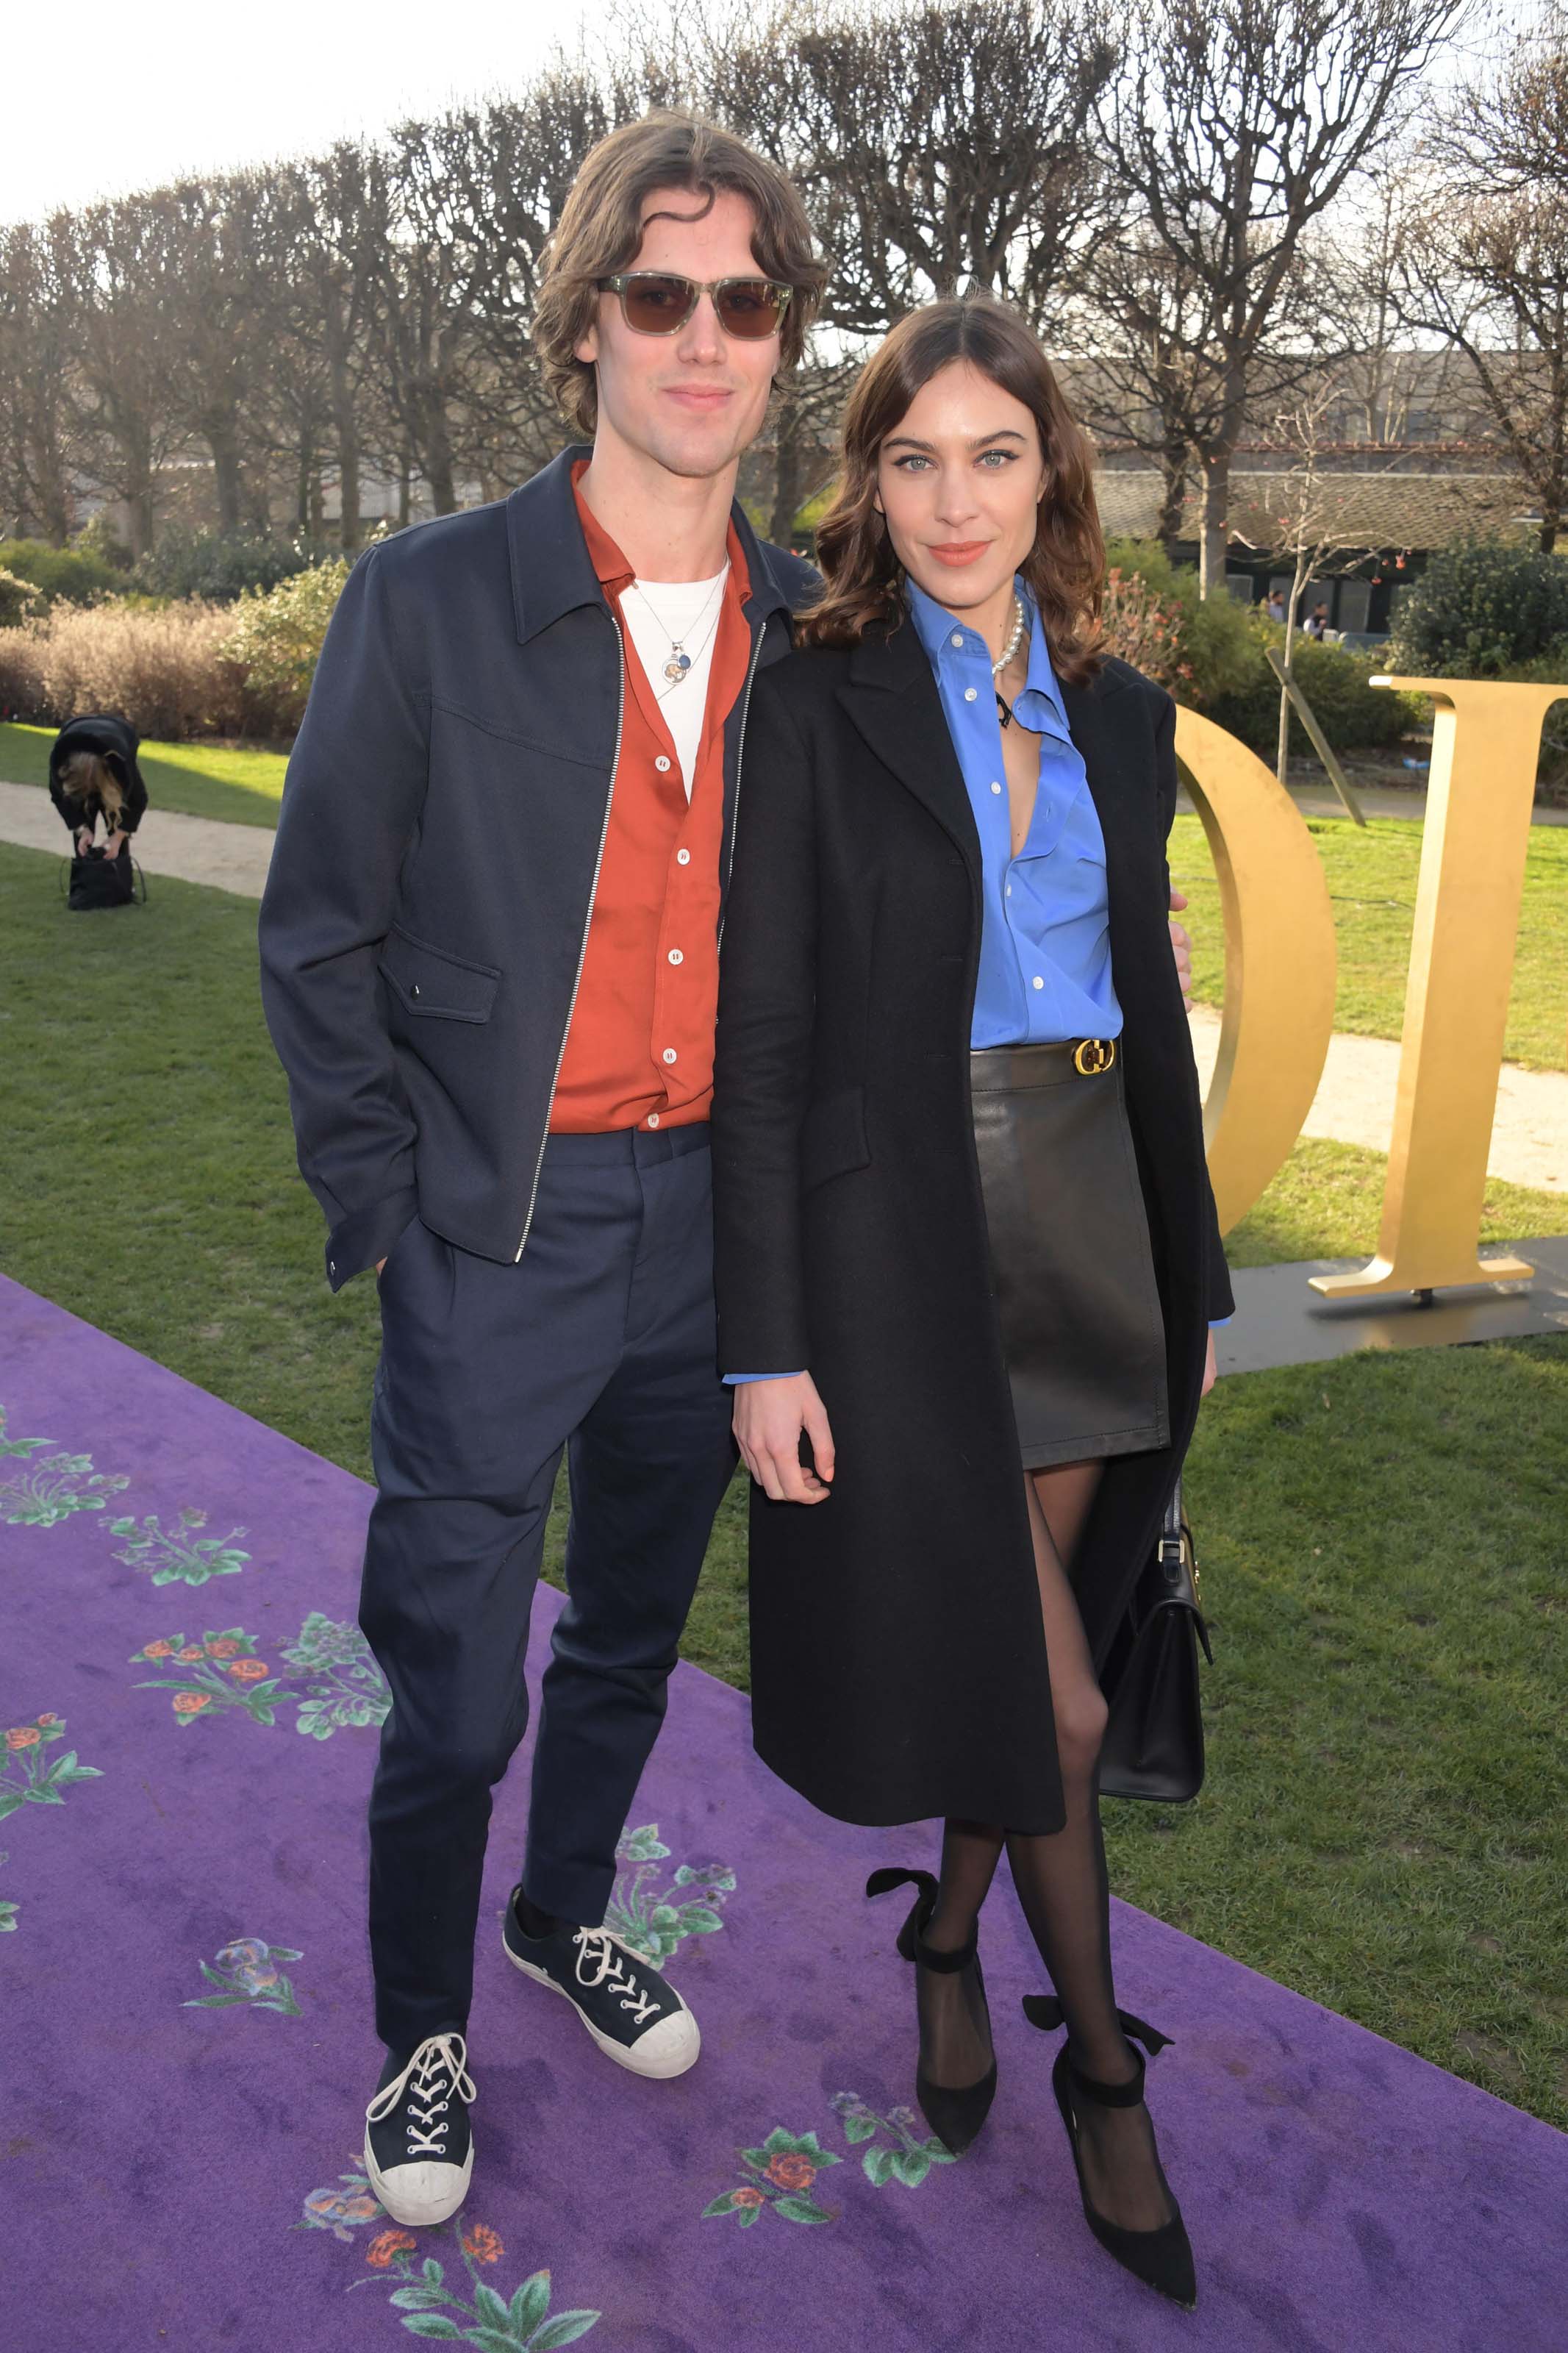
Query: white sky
[105, 98]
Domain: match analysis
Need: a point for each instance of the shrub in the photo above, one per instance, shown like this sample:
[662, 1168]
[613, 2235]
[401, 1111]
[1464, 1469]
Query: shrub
[1154, 614]
[1479, 610]
[62, 575]
[18, 598]
[1354, 714]
[220, 566]
[277, 638]
[165, 671]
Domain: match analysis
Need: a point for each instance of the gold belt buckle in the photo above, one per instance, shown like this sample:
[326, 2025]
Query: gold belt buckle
[1093, 1055]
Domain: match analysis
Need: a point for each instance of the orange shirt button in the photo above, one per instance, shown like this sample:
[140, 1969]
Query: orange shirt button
[683, 858]
[652, 1119]
[669, 1053]
[675, 956]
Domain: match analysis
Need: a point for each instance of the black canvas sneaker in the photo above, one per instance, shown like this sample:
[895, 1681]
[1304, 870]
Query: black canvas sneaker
[634, 2017]
[418, 2150]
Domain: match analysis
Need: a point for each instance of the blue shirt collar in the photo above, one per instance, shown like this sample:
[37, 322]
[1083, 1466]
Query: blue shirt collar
[1039, 706]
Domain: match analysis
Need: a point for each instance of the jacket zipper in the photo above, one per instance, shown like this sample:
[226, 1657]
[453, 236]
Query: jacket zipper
[587, 923]
[739, 762]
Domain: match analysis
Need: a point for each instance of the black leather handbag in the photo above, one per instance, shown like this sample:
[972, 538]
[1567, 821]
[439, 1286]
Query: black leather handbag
[99, 881]
[1155, 1740]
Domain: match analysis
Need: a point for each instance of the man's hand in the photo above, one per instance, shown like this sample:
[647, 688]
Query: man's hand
[1208, 1367]
[1181, 949]
[379, 1264]
[769, 1418]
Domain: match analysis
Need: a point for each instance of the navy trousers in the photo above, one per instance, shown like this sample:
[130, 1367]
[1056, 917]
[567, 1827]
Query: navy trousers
[600, 1342]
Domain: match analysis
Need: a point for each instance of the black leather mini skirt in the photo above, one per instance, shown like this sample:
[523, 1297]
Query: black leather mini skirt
[1082, 1333]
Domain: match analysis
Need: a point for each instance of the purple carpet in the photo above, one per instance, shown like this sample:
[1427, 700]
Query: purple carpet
[189, 1730]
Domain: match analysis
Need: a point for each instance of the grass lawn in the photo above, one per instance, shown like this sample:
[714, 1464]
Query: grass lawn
[1371, 876]
[1386, 1822]
[237, 782]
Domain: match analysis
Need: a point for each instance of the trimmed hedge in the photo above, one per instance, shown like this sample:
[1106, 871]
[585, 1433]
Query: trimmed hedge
[62, 575]
[1354, 715]
[1482, 611]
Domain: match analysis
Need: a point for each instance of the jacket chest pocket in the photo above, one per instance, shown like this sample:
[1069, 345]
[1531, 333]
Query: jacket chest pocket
[432, 983]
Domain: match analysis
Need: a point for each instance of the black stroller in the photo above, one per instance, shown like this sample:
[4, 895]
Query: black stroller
[93, 773]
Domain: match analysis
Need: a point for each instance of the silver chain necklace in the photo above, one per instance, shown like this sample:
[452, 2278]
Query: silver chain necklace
[678, 661]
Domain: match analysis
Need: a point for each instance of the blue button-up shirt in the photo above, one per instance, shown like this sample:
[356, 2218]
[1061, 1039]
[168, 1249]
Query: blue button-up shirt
[1045, 944]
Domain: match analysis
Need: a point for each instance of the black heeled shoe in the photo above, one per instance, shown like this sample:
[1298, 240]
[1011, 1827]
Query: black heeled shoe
[1161, 2258]
[954, 2115]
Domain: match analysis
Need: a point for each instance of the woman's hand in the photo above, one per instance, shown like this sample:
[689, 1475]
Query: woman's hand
[83, 840]
[1208, 1369]
[769, 1419]
[112, 846]
[1181, 949]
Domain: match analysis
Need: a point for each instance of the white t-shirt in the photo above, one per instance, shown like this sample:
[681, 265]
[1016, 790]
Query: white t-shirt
[688, 610]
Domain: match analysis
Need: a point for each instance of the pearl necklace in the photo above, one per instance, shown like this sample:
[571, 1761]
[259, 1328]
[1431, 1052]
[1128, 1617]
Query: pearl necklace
[1021, 619]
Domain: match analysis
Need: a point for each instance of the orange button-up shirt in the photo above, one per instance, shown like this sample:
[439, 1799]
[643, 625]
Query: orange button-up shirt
[640, 1049]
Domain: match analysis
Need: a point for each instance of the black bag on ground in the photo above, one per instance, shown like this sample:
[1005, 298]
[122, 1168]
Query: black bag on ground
[1155, 1739]
[96, 881]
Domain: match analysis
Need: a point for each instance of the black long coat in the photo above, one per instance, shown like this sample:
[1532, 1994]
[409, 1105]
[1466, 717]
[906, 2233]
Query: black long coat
[898, 1657]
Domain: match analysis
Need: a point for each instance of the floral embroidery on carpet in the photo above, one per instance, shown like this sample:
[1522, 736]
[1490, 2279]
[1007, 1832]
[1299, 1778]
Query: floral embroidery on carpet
[52, 1486]
[523, 2324]
[176, 1556]
[785, 2169]
[30, 1775]
[343, 2206]
[337, 1682]
[656, 1922]
[914, 2152]
[786, 2165]
[247, 1971]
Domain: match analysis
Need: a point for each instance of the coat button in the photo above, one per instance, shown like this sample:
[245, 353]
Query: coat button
[413, 989]
[332, 1266]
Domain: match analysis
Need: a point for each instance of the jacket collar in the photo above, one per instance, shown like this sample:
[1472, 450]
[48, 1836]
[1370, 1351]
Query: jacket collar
[891, 693]
[552, 574]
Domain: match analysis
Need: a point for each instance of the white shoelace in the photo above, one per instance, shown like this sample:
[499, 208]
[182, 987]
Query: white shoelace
[438, 2068]
[600, 1964]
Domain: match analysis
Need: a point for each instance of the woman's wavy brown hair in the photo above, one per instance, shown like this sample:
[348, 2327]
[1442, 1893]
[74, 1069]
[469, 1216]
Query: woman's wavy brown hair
[601, 226]
[1066, 566]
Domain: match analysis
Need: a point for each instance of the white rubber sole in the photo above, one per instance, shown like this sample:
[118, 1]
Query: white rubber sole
[661, 2070]
[418, 2213]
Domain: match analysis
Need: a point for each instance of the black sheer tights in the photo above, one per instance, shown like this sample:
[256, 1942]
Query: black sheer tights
[1062, 1887]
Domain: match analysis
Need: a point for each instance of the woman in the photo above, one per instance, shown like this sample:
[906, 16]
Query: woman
[93, 774]
[966, 1245]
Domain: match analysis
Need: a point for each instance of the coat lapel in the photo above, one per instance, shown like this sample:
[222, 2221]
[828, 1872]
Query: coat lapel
[891, 696]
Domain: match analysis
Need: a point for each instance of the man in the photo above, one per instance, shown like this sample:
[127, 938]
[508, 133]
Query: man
[490, 959]
[489, 962]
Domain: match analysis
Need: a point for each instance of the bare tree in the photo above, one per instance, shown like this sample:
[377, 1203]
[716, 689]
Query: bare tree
[37, 444]
[217, 294]
[936, 148]
[116, 265]
[1235, 125]
[1485, 262]
[1304, 525]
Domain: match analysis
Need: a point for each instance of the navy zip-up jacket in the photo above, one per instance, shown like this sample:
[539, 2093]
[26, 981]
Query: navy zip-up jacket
[444, 815]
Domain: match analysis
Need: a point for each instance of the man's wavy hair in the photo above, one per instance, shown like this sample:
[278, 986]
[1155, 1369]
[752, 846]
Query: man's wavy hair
[1066, 566]
[601, 227]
